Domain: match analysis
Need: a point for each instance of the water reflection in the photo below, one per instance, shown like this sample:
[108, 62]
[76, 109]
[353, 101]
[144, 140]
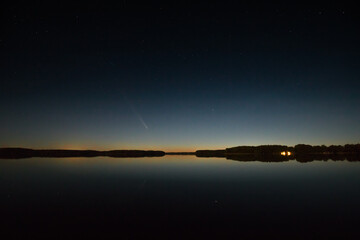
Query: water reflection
[179, 196]
[299, 158]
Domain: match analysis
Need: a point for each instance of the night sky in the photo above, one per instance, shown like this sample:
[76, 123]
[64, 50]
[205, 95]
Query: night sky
[178, 76]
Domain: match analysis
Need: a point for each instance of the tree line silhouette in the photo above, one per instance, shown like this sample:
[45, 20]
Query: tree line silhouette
[27, 153]
[278, 153]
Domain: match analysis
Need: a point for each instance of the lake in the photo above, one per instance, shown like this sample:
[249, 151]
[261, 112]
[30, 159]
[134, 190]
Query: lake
[178, 197]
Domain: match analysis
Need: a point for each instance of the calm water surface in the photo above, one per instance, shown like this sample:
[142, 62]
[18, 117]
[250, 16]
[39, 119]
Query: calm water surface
[179, 196]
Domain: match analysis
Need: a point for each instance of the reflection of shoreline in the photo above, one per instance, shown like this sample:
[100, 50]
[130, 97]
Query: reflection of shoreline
[252, 157]
[298, 158]
[15, 153]
[325, 157]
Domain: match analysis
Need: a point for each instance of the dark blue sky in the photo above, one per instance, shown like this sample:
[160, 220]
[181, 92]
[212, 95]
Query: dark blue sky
[178, 76]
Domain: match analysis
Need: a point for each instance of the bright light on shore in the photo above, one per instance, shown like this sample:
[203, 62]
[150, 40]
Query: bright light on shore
[286, 153]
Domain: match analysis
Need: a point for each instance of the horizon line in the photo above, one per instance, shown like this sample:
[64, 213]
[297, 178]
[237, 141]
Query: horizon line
[174, 151]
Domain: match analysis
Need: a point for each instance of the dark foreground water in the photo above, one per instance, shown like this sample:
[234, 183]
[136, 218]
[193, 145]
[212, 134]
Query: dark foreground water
[178, 197]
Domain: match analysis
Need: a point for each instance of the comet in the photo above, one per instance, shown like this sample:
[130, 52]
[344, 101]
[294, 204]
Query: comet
[143, 122]
[136, 113]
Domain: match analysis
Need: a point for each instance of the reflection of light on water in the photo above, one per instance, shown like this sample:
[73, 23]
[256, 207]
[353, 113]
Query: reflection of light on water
[286, 153]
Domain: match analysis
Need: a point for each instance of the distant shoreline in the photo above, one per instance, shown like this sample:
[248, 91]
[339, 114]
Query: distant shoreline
[264, 153]
[280, 153]
[14, 153]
